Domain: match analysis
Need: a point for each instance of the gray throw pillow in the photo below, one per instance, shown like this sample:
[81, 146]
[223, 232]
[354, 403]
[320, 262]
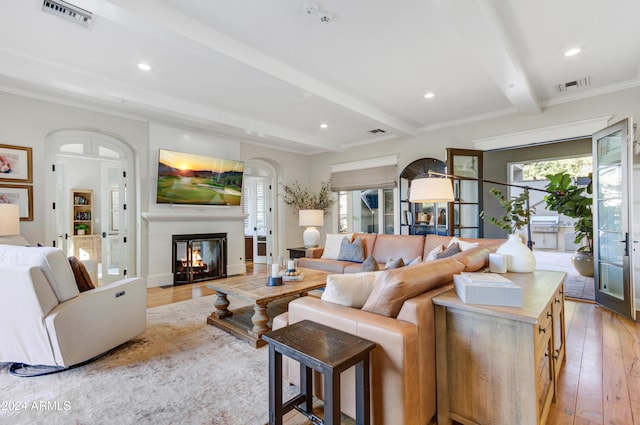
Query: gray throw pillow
[394, 264]
[370, 265]
[452, 249]
[351, 251]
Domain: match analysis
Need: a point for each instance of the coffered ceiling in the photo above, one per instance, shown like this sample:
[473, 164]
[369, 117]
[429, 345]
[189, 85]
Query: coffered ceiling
[271, 72]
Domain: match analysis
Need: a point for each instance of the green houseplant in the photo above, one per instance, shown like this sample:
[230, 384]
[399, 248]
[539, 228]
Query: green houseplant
[81, 228]
[572, 201]
[515, 216]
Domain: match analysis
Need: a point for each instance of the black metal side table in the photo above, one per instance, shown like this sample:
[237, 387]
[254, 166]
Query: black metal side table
[328, 351]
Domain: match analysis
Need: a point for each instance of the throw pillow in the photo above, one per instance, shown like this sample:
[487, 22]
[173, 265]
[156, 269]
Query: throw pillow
[463, 245]
[80, 273]
[351, 251]
[394, 287]
[394, 264]
[351, 290]
[433, 254]
[332, 245]
[416, 260]
[370, 265]
[451, 250]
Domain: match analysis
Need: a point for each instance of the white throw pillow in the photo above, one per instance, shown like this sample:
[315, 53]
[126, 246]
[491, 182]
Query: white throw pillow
[332, 245]
[463, 245]
[351, 289]
[433, 254]
[416, 260]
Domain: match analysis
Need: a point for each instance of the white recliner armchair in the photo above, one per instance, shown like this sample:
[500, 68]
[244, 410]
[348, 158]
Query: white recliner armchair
[46, 321]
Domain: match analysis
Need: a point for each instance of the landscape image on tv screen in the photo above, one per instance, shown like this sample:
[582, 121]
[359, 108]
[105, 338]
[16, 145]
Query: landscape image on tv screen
[198, 180]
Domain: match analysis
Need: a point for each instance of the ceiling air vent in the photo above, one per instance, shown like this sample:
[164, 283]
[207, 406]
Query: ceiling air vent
[573, 85]
[68, 11]
[377, 131]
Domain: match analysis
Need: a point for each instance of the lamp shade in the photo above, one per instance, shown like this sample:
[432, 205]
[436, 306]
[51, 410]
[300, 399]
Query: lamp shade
[311, 218]
[9, 219]
[431, 189]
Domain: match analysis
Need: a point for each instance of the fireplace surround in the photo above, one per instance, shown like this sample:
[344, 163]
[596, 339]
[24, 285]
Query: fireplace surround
[198, 257]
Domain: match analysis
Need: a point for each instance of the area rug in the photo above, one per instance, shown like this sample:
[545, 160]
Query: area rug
[180, 371]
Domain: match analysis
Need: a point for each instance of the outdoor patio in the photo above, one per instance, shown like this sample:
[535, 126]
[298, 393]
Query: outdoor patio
[575, 285]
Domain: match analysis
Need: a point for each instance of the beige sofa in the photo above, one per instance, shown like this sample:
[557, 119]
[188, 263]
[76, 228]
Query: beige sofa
[400, 320]
[385, 247]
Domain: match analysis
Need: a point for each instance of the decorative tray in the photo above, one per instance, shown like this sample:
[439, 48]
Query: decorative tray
[293, 278]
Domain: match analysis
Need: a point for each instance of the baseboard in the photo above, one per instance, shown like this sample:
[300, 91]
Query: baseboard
[160, 280]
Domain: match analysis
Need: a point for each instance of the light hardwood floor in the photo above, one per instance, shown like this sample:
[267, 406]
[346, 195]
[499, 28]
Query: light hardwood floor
[599, 382]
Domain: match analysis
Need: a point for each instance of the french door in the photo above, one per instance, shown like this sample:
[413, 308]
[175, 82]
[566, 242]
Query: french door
[613, 218]
[258, 208]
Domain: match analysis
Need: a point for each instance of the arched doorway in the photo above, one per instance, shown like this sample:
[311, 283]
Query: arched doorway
[93, 210]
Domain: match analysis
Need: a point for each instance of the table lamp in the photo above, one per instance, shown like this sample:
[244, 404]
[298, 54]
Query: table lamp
[311, 219]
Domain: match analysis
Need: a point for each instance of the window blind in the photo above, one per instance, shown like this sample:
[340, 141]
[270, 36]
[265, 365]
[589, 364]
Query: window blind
[380, 177]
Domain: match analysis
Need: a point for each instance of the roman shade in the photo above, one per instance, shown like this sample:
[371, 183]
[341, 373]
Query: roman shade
[381, 177]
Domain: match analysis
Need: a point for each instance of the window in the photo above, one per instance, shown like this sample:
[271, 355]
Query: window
[366, 211]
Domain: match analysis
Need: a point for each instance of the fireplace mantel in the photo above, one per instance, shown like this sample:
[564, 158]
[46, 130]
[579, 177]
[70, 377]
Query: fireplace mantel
[150, 216]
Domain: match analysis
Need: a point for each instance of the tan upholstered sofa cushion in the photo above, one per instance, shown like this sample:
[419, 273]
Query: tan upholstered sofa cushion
[394, 287]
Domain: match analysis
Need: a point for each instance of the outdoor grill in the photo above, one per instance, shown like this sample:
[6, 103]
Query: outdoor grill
[544, 231]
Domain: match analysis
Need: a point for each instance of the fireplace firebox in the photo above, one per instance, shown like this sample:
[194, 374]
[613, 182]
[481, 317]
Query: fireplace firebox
[199, 257]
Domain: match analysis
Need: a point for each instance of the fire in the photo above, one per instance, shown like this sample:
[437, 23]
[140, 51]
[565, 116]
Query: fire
[196, 259]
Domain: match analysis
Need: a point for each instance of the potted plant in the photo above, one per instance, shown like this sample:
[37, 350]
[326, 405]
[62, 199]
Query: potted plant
[516, 215]
[81, 228]
[572, 201]
[301, 198]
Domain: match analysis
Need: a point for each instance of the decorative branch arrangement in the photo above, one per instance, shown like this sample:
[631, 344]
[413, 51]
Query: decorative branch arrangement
[301, 198]
[516, 215]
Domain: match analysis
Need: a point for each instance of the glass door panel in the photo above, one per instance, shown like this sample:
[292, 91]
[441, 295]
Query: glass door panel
[611, 219]
[467, 204]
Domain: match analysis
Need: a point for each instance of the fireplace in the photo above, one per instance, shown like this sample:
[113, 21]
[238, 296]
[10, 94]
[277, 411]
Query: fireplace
[199, 257]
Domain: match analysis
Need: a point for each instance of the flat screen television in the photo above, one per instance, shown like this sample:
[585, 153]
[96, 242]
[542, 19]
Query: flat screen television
[192, 179]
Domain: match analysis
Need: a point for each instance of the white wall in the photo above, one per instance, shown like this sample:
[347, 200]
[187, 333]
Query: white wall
[27, 122]
[161, 221]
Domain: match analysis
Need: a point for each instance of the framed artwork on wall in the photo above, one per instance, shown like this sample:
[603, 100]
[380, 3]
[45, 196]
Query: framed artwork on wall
[21, 195]
[15, 164]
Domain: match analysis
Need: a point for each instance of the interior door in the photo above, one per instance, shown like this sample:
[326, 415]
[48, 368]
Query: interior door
[114, 223]
[60, 210]
[258, 208]
[612, 218]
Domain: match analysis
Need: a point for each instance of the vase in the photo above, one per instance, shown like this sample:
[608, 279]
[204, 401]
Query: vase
[583, 263]
[520, 258]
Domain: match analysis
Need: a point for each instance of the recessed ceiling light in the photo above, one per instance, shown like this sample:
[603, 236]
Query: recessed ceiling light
[429, 95]
[144, 66]
[324, 125]
[572, 52]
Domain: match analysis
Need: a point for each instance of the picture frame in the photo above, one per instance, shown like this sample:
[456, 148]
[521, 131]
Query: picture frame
[21, 195]
[16, 164]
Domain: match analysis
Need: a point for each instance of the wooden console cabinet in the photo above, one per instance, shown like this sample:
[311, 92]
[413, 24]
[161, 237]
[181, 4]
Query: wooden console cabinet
[499, 365]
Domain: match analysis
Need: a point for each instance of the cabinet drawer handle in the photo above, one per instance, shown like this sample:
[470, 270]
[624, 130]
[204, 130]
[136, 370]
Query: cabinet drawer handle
[549, 314]
[542, 330]
[557, 301]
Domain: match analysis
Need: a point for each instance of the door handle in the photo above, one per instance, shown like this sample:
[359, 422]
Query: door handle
[625, 241]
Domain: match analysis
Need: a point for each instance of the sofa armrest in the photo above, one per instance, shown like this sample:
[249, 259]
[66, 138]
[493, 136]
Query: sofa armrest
[97, 320]
[314, 252]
